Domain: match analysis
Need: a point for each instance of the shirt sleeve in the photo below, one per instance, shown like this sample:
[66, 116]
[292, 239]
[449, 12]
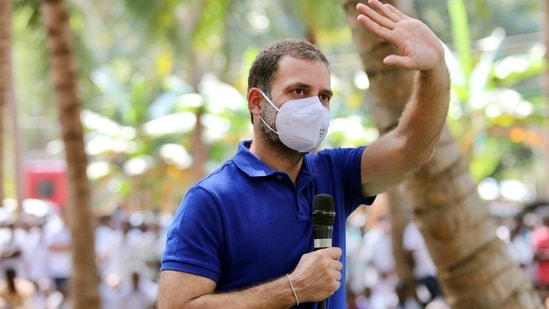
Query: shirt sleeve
[194, 241]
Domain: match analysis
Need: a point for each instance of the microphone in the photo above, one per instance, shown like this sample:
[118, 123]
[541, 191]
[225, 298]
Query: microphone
[323, 225]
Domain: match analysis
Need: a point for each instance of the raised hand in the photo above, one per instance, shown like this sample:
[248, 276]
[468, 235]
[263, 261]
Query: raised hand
[419, 47]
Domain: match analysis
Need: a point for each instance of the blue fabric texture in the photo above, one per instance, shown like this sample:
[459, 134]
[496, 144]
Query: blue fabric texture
[245, 223]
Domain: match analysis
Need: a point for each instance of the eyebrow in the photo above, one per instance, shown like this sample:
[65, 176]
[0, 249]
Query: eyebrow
[327, 92]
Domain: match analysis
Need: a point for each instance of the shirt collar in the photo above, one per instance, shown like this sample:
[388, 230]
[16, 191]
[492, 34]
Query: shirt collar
[245, 160]
[250, 164]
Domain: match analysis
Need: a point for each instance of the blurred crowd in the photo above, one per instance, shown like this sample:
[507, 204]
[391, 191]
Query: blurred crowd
[526, 235]
[35, 260]
[372, 280]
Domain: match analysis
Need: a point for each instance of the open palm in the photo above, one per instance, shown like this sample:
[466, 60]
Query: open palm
[419, 48]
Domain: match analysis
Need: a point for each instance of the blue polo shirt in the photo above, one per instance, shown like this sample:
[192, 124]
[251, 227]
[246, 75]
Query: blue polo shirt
[246, 224]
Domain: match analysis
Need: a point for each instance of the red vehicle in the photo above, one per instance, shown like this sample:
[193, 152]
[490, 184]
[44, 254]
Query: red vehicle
[46, 180]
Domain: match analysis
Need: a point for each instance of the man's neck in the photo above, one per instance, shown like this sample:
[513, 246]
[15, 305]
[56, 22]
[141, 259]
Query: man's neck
[285, 161]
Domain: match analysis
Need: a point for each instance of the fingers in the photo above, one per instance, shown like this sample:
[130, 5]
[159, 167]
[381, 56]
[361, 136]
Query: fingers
[397, 13]
[334, 252]
[369, 17]
[378, 17]
[337, 275]
[318, 274]
[386, 10]
[335, 264]
[418, 47]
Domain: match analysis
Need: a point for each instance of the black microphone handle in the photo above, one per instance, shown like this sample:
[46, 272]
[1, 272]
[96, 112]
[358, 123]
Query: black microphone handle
[322, 304]
[323, 239]
[323, 214]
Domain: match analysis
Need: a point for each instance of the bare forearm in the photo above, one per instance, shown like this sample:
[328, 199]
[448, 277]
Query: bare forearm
[424, 116]
[274, 294]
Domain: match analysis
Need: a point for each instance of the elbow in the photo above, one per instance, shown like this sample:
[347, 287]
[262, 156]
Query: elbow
[417, 157]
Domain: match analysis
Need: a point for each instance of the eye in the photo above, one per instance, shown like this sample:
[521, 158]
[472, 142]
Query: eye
[299, 91]
[324, 98]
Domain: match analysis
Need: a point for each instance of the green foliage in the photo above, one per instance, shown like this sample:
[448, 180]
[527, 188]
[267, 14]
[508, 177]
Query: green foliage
[147, 68]
[515, 17]
[487, 157]
[209, 32]
[156, 18]
[323, 15]
[460, 33]
[485, 98]
[29, 8]
[517, 68]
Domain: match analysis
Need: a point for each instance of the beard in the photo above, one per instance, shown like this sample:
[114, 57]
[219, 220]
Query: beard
[272, 140]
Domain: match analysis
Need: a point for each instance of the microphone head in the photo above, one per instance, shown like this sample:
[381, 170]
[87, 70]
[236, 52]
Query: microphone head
[323, 210]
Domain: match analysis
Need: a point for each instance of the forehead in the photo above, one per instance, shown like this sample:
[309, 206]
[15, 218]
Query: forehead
[293, 70]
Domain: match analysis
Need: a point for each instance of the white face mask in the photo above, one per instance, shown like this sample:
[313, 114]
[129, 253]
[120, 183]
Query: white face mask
[302, 124]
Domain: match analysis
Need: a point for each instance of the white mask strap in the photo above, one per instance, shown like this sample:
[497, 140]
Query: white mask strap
[266, 124]
[268, 100]
[274, 106]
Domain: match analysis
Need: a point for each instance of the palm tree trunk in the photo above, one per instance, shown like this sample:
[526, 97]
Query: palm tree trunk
[544, 192]
[399, 216]
[5, 39]
[85, 279]
[199, 149]
[474, 266]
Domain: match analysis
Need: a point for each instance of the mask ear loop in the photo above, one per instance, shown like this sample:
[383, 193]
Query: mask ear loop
[274, 106]
[268, 100]
[268, 126]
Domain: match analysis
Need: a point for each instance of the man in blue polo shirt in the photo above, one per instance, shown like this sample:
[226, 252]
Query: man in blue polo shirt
[243, 236]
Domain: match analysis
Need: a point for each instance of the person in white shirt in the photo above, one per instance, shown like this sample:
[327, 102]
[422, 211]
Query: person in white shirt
[59, 256]
[378, 252]
[11, 239]
[35, 252]
[424, 270]
[138, 293]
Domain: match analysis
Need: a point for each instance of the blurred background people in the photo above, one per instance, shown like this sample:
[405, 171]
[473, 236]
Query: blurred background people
[424, 270]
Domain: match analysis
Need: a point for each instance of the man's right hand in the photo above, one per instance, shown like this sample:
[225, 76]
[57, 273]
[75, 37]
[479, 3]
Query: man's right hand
[318, 274]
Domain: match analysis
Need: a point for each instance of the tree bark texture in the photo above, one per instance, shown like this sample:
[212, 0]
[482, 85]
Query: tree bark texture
[85, 279]
[474, 267]
[5, 73]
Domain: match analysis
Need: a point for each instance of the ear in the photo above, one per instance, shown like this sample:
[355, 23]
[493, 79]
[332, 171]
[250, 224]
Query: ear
[255, 100]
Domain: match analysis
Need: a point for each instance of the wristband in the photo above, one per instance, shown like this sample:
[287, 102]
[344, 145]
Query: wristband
[293, 289]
